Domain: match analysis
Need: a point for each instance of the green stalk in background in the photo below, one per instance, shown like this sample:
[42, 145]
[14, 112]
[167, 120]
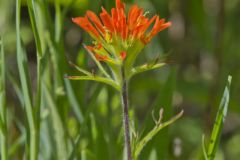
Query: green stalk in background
[32, 146]
[58, 126]
[218, 125]
[32, 14]
[3, 109]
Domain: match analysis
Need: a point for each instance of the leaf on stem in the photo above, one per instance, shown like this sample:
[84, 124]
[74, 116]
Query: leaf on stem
[145, 67]
[79, 69]
[97, 79]
[153, 132]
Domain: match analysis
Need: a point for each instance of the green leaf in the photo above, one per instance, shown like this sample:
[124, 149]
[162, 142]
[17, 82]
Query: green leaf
[133, 53]
[153, 132]
[220, 118]
[97, 79]
[80, 69]
[145, 67]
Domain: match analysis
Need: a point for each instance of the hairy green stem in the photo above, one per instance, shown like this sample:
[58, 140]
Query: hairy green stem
[124, 96]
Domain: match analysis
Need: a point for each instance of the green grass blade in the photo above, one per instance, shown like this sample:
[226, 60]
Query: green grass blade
[73, 101]
[74, 149]
[23, 69]
[59, 132]
[220, 118]
[32, 13]
[3, 109]
[1, 125]
[58, 21]
[26, 86]
[99, 139]
[33, 18]
[16, 87]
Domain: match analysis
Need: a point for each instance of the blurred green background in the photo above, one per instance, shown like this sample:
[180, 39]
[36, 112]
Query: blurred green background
[201, 48]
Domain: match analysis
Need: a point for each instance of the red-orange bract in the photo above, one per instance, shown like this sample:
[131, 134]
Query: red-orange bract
[117, 35]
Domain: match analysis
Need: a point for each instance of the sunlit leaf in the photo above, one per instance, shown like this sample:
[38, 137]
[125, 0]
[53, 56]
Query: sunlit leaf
[220, 119]
[96, 78]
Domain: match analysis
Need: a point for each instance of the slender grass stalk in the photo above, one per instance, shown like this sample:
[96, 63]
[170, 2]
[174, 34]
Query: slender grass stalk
[3, 109]
[124, 96]
[32, 13]
[60, 135]
[73, 101]
[58, 21]
[26, 87]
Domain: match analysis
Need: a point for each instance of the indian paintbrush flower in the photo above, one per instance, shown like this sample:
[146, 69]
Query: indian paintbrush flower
[118, 39]
[118, 36]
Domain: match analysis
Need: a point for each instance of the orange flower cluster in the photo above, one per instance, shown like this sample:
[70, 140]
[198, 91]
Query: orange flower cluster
[119, 27]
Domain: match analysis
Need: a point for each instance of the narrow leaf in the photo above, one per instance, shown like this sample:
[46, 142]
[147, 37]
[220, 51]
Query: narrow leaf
[80, 69]
[96, 78]
[23, 70]
[145, 67]
[220, 118]
[32, 14]
[153, 132]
